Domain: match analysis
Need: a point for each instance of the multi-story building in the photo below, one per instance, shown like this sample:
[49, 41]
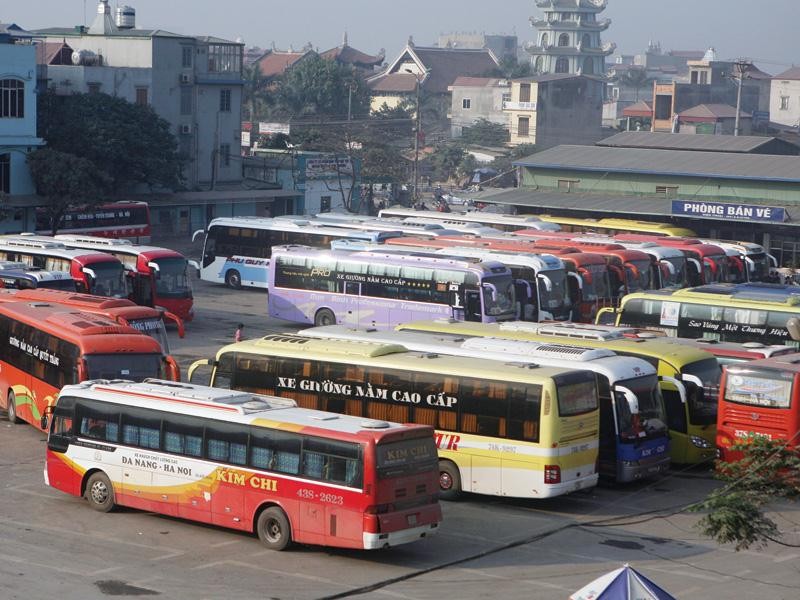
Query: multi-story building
[475, 98]
[17, 121]
[195, 83]
[784, 103]
[568, 38]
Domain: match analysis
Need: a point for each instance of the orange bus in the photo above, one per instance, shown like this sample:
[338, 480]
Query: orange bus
[45, 346]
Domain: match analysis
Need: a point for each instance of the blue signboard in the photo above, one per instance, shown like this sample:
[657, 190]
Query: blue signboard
[729, 212]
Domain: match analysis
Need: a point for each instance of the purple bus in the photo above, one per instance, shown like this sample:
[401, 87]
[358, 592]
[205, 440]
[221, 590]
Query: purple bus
[381, 290]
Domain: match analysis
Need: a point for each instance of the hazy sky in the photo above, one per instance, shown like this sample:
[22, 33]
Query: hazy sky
[759, 29]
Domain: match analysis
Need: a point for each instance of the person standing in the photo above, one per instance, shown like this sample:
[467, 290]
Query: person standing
[239, 335]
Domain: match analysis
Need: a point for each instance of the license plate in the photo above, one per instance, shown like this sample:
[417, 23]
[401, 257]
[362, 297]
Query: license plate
[412, 519]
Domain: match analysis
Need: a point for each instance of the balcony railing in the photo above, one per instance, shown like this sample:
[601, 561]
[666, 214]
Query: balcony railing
[508, 105]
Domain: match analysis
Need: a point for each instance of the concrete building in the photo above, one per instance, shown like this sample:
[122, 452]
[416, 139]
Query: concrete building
[549, 110]
[568, 37]
[17, 123]
[723, 195]
[195, 83]
[742, 144]
[784, 104]
[475, 98]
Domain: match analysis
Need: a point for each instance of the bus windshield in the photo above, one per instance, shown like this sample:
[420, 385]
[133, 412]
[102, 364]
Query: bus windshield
[498, 296]
[406, 457]
[172, 280]
[555, 300]
[109, 279]
[640, 281]
[759, 388]
[652, 414]
[134, 367]
[703, 401]
[598, 288]
[719, 272]
[759, 268]
[675, 277]
[155, 328]
[577, 393]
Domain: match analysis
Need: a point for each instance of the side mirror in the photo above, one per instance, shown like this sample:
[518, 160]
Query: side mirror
[44, 422]
[205, 362]
[155, 267]
[492, 289]
[89, 272]
[579, 279]
[793, 325]
[194, 264]
[630, 397]
[665, 264]
[548, 283]
[678, 385]
[197, 234]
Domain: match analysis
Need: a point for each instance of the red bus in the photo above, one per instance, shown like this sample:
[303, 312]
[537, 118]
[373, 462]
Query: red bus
[160, 275]
[145, 319]
[125, 219]
[710, 262]
[248, 462]
[94, 272]
[759, 398]
[44, 347]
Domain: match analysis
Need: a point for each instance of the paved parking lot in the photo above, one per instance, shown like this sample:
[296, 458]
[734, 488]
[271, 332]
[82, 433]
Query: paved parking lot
[53, 545]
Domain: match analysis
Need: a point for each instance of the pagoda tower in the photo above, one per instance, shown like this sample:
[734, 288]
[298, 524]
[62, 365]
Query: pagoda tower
[568, 37]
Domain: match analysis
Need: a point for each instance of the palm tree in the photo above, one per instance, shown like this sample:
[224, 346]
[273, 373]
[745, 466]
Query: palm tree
[256, 97]
[635, 78]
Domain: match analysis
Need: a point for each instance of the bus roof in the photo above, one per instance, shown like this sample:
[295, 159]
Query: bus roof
[578, 334]
[228, 405]
[392, 355]
[112, 307]
[417, 259]
[789, 362]
[726, 294]
[33, 244]
[298, 224]
[566, 356]
[122, 246]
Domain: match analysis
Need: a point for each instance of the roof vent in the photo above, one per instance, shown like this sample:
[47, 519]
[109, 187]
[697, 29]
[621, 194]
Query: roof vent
[373, 424]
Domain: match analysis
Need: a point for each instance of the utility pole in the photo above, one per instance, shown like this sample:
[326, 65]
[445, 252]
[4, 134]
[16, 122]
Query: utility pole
[741, 66]
[416, 145]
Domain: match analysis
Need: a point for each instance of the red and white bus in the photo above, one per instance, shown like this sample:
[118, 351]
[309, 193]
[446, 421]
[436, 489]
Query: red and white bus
[160, 275]
[125, 219]
[244, 461]
[94, 272]
[760, 398]
[45, 346]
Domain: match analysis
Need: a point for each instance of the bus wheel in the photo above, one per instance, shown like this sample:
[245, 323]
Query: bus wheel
[12, 408]
[99, 492]
[273, 528]
[449, 481]
[233, 279]
[324, 316]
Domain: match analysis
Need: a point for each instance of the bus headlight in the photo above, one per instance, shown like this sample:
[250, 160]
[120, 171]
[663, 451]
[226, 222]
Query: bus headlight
[700, 442]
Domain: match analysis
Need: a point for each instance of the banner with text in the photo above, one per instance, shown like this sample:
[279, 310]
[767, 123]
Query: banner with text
[722, 210]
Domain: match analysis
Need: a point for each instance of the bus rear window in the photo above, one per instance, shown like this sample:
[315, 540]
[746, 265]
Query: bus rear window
[405, 457]
[577, 393]
[754, 388]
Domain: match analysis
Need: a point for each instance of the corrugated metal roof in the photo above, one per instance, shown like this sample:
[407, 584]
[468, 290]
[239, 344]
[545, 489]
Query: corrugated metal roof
[632, 206]
[686, 141]
[683, 163]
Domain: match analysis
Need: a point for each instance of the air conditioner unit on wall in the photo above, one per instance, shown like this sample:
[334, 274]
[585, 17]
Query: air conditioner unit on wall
[186, 129]
[186, 78]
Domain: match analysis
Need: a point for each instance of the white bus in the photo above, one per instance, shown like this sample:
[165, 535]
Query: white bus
[421, 221]
[237, 250]
[495, 220]
[633, 437]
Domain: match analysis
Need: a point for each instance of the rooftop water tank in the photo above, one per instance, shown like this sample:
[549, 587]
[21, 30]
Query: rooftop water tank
[125, 17]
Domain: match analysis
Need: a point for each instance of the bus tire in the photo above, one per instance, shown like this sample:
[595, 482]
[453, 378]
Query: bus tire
[324, 316]
[273, 528]
[11, 409]
[233, 279]
[99, 492]
[449, 480]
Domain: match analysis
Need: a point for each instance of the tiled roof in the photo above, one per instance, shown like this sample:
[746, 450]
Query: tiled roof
[50, 53]
[793, 73]
[447, 64]
[476, 81]
[643, 108]
[275, 63]
[712, 111]
[395, 82]
[350, 56]
[686, 141]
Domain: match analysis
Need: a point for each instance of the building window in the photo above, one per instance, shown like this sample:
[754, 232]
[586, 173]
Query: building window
[568, 185]
[141, 96]
[186, 100]
[5, 173]
[325, 204]
[224, 155]
[615, 93]
[523, 127]
[224, 58]
[12, 98]
[667, 191]
[562, 65]
[466, 103]
[524, 92]
[563, 40]
[703, 77]
[225, 100]
[784, 102]
[186, 57]
[93, 88]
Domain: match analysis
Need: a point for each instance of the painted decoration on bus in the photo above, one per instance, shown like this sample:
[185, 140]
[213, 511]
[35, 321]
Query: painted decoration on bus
[758, 391]
[368, 390]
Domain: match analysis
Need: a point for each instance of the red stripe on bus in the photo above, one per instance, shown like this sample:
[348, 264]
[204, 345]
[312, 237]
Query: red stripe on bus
[167, 398]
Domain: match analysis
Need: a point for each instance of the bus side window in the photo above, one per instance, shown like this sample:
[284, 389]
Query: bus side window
[183, 436]
[97, 424]
[524, 410]
[226, 443]
[484, 407]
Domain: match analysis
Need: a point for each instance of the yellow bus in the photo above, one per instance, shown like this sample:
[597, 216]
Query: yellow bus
[614, 226]
[726, 312]
[689, 377]
[501, 429]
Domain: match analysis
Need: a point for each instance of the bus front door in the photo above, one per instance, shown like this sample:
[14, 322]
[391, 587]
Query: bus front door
[473, 311]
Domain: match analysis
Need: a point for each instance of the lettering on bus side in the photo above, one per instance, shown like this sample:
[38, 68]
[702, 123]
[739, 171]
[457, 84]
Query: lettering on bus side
[42, 354]
[151, 462]
[256, 482]
[354, 390]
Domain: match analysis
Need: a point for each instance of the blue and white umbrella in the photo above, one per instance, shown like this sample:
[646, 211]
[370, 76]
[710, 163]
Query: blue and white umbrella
[621, 584]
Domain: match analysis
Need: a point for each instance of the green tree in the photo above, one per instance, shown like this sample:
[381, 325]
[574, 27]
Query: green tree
[485, 133]
[315, 87]
[66, 181]
[446, 160]
[511, 68]
[257, 99]
[128, 142]
[635, 78]
[769, 470]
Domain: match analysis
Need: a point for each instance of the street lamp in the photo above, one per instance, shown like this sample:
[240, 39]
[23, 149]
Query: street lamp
[417, 120]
